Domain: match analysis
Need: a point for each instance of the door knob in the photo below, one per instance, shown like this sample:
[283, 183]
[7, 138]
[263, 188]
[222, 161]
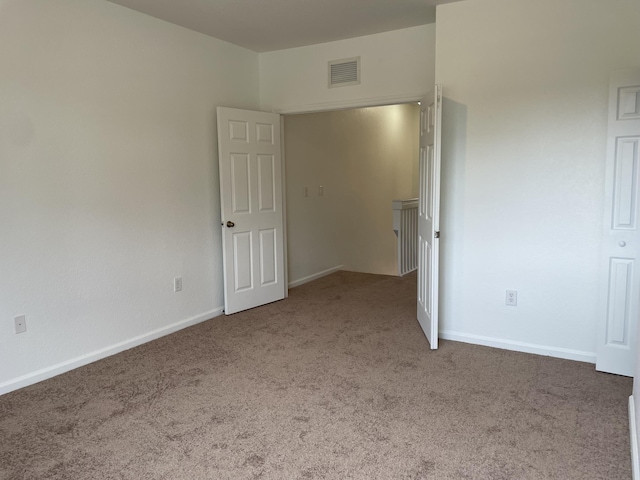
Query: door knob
[231, 224]
[622, 243]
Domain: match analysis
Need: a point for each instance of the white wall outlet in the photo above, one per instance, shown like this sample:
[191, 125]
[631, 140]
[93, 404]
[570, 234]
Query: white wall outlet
[512, 298]
[177, 284]
[20, 323]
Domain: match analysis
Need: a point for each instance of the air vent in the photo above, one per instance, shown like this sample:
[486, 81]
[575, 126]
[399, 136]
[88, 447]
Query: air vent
[345, 72]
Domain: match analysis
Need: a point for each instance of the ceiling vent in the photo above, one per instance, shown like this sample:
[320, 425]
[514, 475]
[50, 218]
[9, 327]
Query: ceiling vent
[345, 72]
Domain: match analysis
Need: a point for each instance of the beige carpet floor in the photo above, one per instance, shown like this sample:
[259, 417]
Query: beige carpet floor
[336, 382]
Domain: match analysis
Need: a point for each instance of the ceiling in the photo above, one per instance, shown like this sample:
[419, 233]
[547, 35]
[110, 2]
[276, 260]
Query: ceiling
[266, 25]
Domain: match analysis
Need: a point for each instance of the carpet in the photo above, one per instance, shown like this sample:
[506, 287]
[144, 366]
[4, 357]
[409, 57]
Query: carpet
[335, 382]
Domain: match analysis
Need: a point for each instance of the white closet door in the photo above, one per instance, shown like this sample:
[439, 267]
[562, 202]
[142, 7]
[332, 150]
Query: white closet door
[616, 344]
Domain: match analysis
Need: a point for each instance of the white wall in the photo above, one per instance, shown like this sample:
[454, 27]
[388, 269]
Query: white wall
[395, 66]
[364, 159]
[525, 116]
[108, 178]
[636, 409]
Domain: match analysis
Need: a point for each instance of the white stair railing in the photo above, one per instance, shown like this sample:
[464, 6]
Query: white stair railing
[405, 224]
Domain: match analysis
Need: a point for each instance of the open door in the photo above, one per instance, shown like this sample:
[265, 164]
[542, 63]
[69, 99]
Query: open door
[616, 343]
[251, 208]
[429, 214]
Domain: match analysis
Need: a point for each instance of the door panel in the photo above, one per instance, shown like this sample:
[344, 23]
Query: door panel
[429, 215]
[240, 184]
[264, 133]
[268, 257]
[629, 103]
[242, 249]
[266, 183]
[251, 208]
[618, 321]
[617, 331]
[625, 189]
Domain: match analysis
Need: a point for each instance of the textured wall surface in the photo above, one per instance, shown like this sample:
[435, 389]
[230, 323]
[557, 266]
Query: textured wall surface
[526, 96]
[108, 176]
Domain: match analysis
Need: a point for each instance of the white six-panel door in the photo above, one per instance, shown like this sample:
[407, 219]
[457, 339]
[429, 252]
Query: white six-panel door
[251, 208]
[619, 311]
[429, 214]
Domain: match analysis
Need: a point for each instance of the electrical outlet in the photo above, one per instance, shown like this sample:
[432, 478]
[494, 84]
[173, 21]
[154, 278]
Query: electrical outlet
[512, 298]
[20, 323]
[177, 284]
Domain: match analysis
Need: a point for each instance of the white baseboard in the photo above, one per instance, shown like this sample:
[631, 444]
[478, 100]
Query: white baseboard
[635, 459]
[565, 353]
[315, 276]
[52, 371]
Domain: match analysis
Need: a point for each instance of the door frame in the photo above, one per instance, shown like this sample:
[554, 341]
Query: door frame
[349, 104]
[283, 171]
[319, 108]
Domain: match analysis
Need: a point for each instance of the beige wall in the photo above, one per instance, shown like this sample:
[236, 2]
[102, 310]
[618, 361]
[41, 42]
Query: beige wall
[363, 159]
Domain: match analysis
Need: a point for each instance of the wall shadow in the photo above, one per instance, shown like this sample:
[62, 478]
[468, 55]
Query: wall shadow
[452, 210]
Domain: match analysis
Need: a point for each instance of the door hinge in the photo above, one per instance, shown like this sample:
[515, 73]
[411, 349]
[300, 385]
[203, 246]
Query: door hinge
[436, 234]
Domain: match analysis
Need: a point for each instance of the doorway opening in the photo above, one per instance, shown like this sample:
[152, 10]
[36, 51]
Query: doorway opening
[343, 170]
